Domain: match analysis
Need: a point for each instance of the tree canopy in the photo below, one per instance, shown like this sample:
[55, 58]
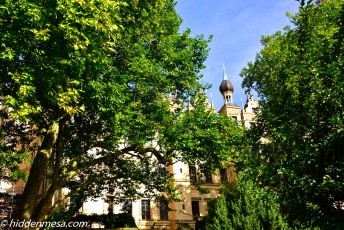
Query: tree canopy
[84, 89]
[297, 145]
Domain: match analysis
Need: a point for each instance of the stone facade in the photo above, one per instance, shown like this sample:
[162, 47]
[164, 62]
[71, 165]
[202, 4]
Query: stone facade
[192, 204]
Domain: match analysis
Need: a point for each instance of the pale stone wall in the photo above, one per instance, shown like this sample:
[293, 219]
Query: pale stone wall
[180, 211]
[97, 206]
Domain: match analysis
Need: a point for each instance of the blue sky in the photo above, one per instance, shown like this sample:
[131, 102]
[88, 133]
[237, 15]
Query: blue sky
[237, 26]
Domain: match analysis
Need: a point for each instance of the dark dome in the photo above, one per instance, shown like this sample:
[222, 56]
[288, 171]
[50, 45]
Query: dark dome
[226, 86]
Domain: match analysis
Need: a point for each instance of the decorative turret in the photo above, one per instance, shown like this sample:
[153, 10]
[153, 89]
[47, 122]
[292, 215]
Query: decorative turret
[249, 111]
[226, 88]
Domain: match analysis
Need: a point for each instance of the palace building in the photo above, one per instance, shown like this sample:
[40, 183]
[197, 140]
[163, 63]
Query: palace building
[193, 204]
[162, 215]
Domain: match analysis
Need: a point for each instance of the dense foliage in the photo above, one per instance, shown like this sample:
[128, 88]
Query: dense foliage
[296, 148]
[86, 93]
[245, 206]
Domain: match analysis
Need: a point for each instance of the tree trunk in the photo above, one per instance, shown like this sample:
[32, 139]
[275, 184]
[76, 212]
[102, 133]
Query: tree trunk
[37, 174]
[43, 208]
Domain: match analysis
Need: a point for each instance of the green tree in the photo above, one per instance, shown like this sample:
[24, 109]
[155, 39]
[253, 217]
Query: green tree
[84, 87]
[246, 206]
[297, 143]
[217, 218]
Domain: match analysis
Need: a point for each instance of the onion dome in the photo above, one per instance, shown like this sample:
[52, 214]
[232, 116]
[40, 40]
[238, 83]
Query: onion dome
[226, 86]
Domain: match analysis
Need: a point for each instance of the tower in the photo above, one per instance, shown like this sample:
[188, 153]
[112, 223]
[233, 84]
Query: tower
[229, 108]
[226, 88]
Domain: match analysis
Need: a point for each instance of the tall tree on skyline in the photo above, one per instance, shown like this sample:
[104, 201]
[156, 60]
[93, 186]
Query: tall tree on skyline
[298, 76]
[89, 82]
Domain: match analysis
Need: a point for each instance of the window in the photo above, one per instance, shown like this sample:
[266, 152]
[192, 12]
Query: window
[164, 210]
[127, 207]
[195, 208]
[208, 177]
[228, 99]
[192, 172]
[145, 209]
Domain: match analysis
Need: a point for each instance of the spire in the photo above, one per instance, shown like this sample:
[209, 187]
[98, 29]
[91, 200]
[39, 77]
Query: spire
[226, 85]
[211, 101]
[224, 73]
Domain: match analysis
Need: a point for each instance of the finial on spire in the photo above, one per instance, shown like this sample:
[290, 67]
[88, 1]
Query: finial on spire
[224, 73]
